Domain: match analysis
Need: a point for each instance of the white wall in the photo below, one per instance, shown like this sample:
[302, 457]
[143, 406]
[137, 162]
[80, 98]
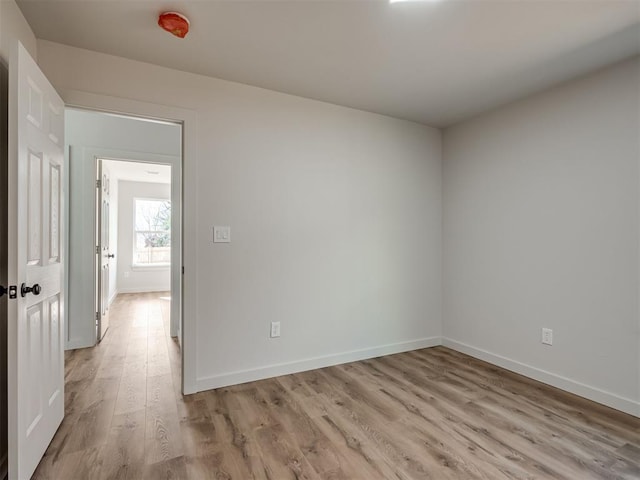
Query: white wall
[80, 293]
[95, 129]
[13, 26]
[335, 217]
[138, 279]
[90, 134]
[541, 230]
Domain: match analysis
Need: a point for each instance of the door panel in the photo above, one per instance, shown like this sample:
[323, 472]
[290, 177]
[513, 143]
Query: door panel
[54, 213]
[34, 202]
[36, 318]
[33, 342]
[52, 359]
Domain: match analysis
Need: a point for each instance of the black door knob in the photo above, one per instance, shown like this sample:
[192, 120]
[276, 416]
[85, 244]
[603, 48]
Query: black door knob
[36, 289]
[111, 255]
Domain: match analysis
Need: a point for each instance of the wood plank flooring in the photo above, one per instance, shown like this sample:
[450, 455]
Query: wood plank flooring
[428, 414]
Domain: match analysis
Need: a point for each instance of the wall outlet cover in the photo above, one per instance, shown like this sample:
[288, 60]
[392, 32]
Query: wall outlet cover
[275, 329]
[547, 336]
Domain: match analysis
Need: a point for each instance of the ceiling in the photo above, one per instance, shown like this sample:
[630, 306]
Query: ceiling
[138, 171]
[431, 62]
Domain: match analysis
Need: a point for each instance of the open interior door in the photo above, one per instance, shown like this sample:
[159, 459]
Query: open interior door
[35, 267]
[103, 253]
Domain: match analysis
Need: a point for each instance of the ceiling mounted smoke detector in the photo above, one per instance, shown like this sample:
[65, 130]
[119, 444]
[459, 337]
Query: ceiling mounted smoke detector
[175, 23]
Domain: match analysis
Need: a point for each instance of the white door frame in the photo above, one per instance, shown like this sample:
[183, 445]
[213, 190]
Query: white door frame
[92, 156]
[102, 228]
[187, 271]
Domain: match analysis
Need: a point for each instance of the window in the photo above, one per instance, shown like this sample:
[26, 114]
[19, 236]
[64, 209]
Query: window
[152, 232]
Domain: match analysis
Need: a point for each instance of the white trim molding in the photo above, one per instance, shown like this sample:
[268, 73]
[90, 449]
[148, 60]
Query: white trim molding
[113, 296]
[184, 277]
[76, 344]
[626, 405]
[270, 371]
[143, 290]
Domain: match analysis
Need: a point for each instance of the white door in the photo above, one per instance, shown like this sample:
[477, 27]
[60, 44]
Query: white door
[103, 253]
[35, 329]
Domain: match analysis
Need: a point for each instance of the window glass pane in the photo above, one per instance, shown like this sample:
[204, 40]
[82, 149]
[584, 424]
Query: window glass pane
[153, 215]
[152, 238]
[152, 247]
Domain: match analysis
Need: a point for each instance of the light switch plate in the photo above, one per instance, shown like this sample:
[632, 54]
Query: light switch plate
[221, 234]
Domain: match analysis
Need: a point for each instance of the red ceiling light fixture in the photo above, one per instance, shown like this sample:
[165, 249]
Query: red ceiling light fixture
[175, 23]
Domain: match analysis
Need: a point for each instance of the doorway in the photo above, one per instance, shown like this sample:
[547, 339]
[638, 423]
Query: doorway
[134, 233]
[185, 174]
[113, 157]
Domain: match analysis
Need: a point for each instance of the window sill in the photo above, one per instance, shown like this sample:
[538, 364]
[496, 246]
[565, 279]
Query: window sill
[144, 267]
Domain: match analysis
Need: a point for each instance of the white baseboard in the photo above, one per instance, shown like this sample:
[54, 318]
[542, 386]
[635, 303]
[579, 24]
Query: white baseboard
[75, 344]
[261, 373]
[113, 297]
[609, 399]
[144, 290]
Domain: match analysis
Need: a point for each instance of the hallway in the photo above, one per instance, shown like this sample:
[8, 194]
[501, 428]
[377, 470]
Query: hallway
[121, 410]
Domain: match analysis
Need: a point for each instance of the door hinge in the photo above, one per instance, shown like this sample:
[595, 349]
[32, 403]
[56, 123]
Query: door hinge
[98, 183]
[97, 248]
[97, 317]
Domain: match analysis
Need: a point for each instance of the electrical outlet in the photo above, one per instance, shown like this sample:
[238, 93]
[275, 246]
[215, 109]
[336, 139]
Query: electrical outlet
[547, 336]
[275, 329]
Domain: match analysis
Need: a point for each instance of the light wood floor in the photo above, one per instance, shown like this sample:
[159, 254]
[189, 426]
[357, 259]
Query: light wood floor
[429, 414]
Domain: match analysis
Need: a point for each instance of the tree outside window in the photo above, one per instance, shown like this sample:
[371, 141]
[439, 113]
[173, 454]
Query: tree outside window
[152, 232]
